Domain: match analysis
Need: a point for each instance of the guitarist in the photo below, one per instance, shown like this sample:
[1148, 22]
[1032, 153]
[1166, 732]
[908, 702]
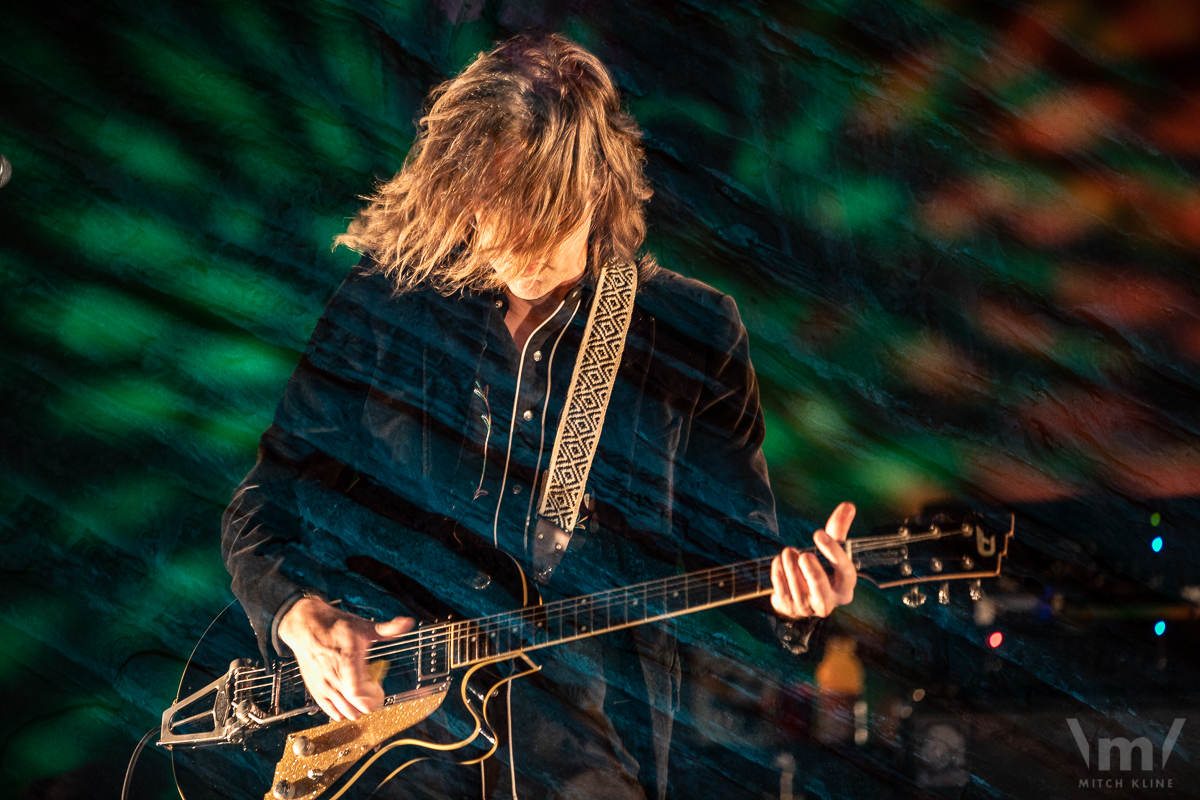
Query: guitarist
[431, 389]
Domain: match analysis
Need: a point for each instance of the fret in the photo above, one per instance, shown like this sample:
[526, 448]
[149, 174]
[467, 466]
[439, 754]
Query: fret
[566, 620]
[720, 585]
[675, 596]
[606, 600]
[621, 607]
[511, 632]
[653, 600]
[493, 638]
[512, 625]
[744, 580]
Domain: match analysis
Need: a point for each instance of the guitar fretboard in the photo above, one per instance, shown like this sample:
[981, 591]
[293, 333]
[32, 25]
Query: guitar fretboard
[560, 621]
[433, 651]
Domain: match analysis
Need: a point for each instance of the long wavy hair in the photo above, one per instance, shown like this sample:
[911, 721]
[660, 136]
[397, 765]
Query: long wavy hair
[512, 154]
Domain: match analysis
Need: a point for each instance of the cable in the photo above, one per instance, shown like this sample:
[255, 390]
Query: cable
[137, 751]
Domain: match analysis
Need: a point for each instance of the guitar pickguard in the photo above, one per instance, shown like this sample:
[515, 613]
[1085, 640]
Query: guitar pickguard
[315, 758]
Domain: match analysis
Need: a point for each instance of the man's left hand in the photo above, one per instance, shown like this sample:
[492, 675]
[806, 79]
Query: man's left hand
[802, 589]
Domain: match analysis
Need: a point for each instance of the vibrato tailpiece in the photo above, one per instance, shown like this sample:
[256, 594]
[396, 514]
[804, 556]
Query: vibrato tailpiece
[224, 711]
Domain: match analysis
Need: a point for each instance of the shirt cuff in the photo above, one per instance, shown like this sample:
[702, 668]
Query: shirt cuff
[794, 634]
[282, 649]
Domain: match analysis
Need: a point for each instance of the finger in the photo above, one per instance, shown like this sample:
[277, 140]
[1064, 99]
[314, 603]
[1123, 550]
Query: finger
[837, 555]
[325, 705]
[797, 585]
[391, 629]
[844, 576]
[820, 593]
[781, 596]
[839, 521]
[344, 707]
[320, 696]
[365, 694]
[354, 684]
[314, 681]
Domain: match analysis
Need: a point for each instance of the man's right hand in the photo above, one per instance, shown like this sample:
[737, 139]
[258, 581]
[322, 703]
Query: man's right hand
[331, 650]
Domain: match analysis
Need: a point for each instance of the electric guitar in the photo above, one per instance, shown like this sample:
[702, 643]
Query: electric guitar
[265, 734]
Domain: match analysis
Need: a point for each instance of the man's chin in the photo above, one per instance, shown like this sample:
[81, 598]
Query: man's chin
[530, 291]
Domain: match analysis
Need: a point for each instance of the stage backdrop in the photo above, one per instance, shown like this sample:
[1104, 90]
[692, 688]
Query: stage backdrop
[963, 236]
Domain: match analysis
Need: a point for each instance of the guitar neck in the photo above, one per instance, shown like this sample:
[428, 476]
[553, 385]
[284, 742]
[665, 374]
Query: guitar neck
[561, 621]
[501, 635]
[434, 650]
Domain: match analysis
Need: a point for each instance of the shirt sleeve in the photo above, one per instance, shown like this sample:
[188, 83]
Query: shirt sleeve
[725, 500]
[268, 540]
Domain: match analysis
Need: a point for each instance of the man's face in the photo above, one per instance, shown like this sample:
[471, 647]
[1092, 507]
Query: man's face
[565, 266]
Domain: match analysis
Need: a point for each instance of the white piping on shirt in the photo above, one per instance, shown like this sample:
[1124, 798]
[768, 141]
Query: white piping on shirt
[512, 429]
[512, 423]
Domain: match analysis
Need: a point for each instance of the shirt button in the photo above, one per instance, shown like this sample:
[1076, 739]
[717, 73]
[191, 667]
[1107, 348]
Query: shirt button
[517, 488]
[499, 304]
[537, 355]
[528, 415]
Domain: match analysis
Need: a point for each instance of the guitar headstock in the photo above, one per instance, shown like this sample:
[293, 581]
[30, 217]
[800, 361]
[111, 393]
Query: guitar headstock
[942, 549]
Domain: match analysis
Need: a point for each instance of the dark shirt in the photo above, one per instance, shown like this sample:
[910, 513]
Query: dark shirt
[409, 411]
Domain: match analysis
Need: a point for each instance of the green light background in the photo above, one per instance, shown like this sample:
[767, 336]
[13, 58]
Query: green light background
[963, 237]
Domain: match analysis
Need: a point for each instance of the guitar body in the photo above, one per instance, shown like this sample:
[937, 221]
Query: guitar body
[456, 717]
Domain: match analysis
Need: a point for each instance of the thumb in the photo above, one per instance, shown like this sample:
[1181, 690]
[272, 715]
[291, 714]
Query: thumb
[839, 521]
[392, 628]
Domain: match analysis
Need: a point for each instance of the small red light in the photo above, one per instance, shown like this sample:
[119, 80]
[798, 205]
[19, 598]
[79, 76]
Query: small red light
[995, 639]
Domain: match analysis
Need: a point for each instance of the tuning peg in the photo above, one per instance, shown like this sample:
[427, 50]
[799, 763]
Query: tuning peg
[944, 594]
[283, 790]
[914, 597]
[976, 590]
[303, 746]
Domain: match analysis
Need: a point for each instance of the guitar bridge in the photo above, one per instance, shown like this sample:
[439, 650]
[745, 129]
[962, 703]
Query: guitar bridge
[223, 711]
[207, 716]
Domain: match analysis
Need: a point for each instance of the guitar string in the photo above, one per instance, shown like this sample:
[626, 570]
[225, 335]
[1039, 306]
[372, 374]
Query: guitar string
[451, 635]
[516, 621]
[497, 623]
[447, 635]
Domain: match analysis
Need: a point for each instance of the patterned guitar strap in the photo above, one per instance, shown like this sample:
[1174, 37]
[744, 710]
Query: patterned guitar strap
[583, 415]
